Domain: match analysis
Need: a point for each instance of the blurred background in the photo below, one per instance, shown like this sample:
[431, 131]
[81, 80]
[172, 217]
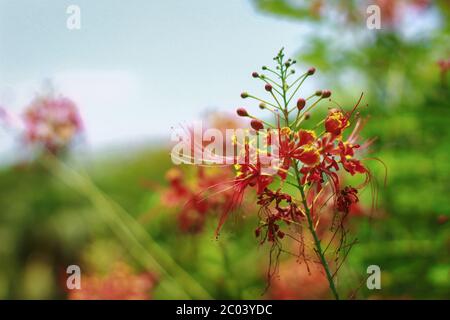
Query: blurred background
[106, 198]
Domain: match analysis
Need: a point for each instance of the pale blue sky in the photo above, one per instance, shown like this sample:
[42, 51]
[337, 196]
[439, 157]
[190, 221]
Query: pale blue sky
[137, 67]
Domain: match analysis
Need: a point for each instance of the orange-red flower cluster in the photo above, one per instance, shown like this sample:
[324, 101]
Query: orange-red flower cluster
[308, 159]
[193, 196]
[319, 159]
[295, 169]
[120, 284]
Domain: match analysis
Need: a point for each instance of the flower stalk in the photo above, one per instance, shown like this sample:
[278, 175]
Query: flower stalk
[318, 247]
[313, 163]
[317, 244]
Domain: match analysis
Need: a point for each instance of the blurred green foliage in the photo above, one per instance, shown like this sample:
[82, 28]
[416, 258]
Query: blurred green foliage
[46, 225]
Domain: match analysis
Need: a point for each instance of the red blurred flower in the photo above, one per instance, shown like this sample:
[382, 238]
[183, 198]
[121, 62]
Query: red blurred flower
[393, 11]
[120, 284]
[295, 282]
[193, 198]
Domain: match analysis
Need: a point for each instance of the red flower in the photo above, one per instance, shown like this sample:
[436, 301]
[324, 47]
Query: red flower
[306, 137]
[119, 284]
[309, 156]
[346, 198]
[193, 196]
[353, 166]
[177, 191]
[336, 122]
[444, 65]
[299, 146]
[296, 281]
[247, 175]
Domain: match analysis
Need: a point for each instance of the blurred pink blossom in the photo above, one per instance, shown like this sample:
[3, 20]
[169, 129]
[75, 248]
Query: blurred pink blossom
[51, 122]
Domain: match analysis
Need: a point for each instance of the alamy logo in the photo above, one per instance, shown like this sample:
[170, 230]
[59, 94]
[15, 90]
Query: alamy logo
[374, 280]
[73, 21]
[199, 146]
[374, 19]
[74, 279]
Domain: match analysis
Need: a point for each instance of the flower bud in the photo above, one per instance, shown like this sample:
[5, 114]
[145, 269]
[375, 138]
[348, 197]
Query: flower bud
[326, 93]
[318, 93]
[301, 103]
[264, 68]
[311, 71]
[244, 95]
[268, 87]
[255, 74]
[262, 105]
[256, 124]
[336, 122]
[307, 115]
[242, 112]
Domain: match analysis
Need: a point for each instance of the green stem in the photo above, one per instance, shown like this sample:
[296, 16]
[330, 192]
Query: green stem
[283, 84]
[298, 87]
[318, 247]
[263, 101]
[317, 244]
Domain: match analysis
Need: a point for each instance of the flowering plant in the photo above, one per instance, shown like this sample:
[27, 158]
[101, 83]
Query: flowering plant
[52, 122]
[49, 122]
[311, 161]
